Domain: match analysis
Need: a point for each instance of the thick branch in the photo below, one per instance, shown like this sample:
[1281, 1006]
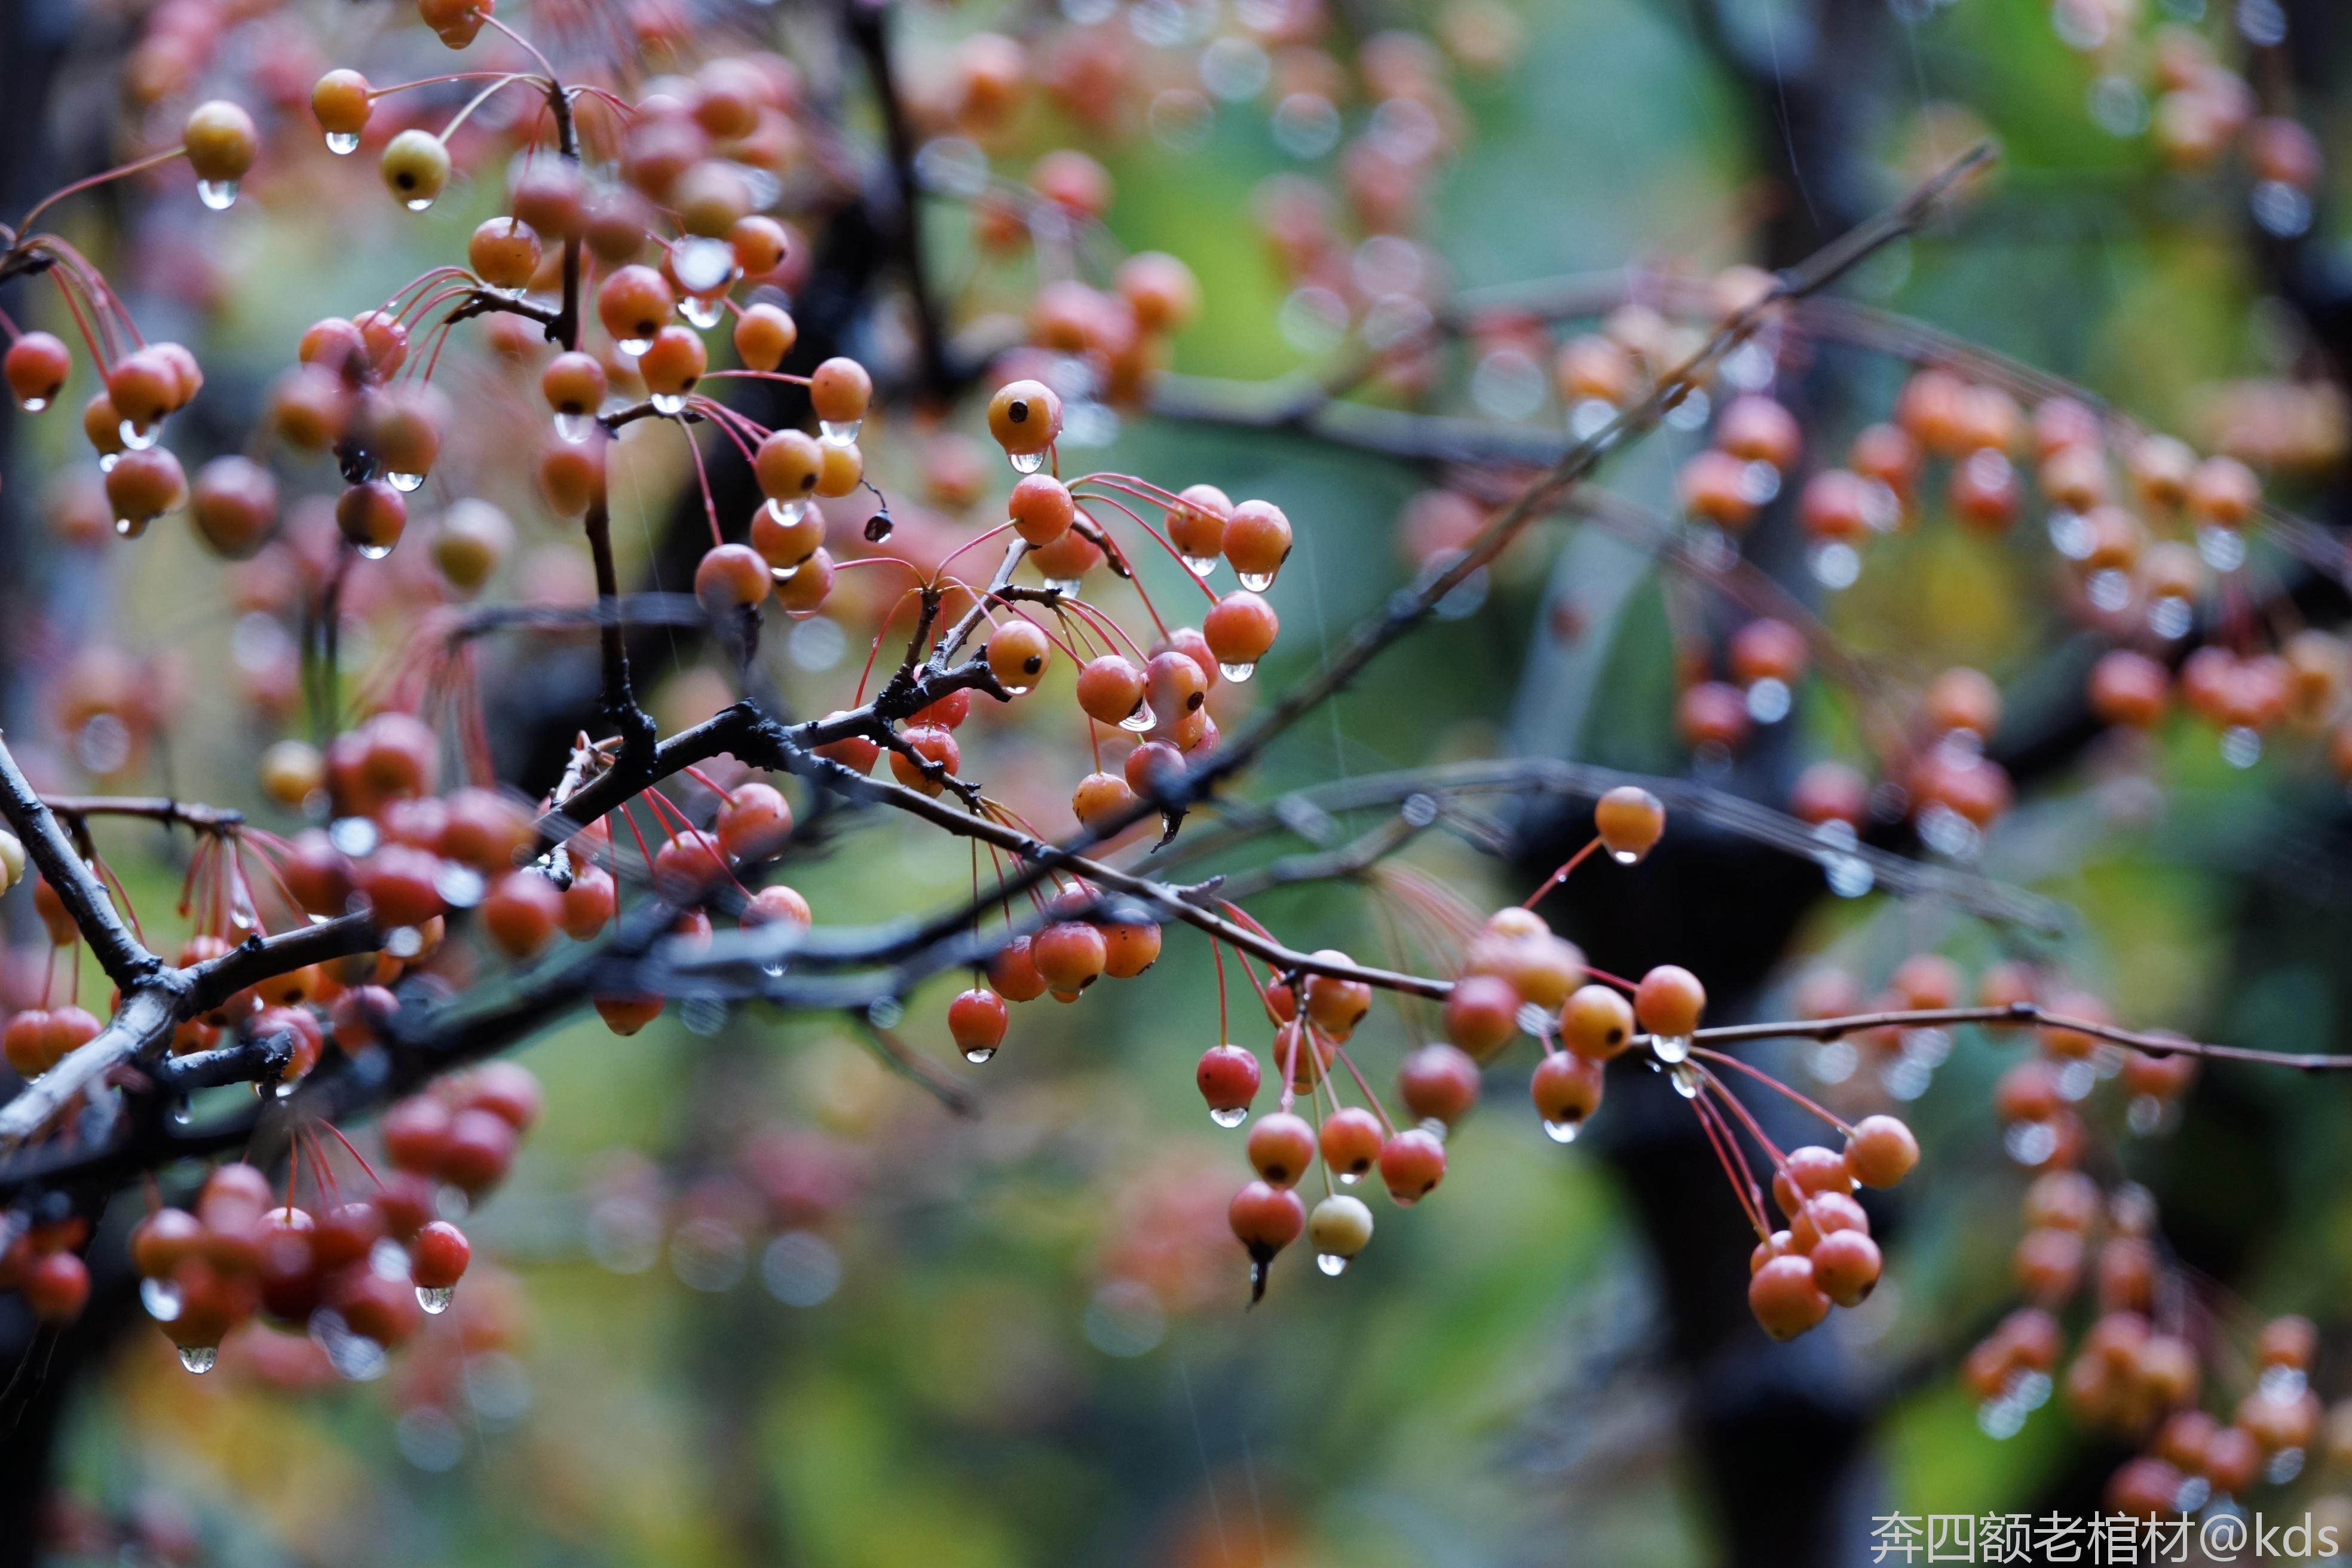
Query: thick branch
[120, 955]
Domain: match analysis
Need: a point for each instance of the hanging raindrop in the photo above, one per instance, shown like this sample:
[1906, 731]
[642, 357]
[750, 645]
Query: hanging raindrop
[1331, 1263]
[218, 194]
[374, 552]
[1255, 582]
[139, 437]
[633, 347]
[199, 1358]
[703, 311]
[34, 404]
[435, 1299]
[574, 427]
[1671, 1049]
[418, 203]
[842, 432]
[1026, 462]
[1232, 1117]
[1563, 1130]
[1238, 671]
[1200, 565]
[343, 143]
[1141, 719]
[669, 402]
[976, 1055]
[787, 512]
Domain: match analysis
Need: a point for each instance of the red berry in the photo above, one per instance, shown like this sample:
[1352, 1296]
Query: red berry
[1240, 627]
[1110, 689]
[1785, 1298]
[1596, 1022]
[416, 1134]
[57, 1287]
[1351, 1141]
[589, 902]
[1669, 1001]
[1880, 1151]
[1070, 955]
[1282, 1148]
[479, 1147]
[438, 1256]
[508, 1091]
[36, 367]
[755, 824]
[776, 904]
[1846, 1267]
[1630, 820]
[1014, 972]
[1566, 1090]
[1438, 1083]
[1228, 1079]
[1041, 508]
[1482, 1015]
[934, 745]
[976, 1018]
[521, 913]
[1412, 1163]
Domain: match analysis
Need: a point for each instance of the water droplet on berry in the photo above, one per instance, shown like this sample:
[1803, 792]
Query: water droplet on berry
[34, 404]
[574, 427]
[1687, 1080]
[218, 194]
[1564, 1130]
[839, 432]
[343, 143]
[199, 1358]
[105, 461]
[1231, 1117]
[1025, 462]
[1348, 1179]
[1331, 1263]
[1016, 691]
[1200, 565]
[787, 512]
[435, 1299]
[1255, 582]
[1141, 719]
[633, 347]
[374, 552]
[418, 203]
[130, 527]
[161, 1298]
[702, 309]
[1238, 671]
[2223, 549]
[1835, 564]
[1671, 1049]
[1625, 857]
[1768, 700]
[976, 1055]
[669, 402]
[138, 437]
[405, 483]
[704, 265]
